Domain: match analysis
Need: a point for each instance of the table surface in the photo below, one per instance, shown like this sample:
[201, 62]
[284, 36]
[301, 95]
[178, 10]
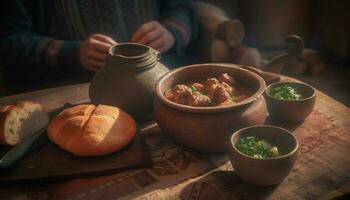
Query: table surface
[322, 170]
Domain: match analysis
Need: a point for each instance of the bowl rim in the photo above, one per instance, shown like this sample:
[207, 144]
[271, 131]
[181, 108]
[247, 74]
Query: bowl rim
[293, 82]
[295, 149]
[214, 109]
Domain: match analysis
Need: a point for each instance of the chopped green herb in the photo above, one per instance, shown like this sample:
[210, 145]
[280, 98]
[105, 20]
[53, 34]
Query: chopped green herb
[209, 101]
[256, 148]
[285, 92]
[194, 89]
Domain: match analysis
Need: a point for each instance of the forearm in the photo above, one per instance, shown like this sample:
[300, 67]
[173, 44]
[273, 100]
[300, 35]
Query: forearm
[28, 50]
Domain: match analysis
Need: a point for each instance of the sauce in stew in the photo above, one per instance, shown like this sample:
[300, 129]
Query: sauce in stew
[222, 90]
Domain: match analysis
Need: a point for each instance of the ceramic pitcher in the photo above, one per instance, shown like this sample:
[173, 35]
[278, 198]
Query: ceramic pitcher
[128, 79]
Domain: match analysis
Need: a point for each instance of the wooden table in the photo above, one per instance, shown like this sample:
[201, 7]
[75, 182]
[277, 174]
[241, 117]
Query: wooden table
[322, 171]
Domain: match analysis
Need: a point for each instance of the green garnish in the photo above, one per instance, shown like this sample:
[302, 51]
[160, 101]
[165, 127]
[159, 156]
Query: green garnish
[194, 89]
[285, 92]
[209, 101]
[256, 148]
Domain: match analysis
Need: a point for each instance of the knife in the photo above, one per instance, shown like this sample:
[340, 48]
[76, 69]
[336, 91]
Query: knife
[20, 150]
[32, 142]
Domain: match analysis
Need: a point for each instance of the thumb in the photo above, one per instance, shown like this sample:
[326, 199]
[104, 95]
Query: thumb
[104, 38]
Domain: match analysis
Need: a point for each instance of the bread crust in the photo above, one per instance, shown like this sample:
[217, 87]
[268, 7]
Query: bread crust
[88, 130]
[5, 112]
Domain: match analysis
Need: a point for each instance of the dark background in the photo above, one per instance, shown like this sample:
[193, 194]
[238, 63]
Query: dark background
[324, 25]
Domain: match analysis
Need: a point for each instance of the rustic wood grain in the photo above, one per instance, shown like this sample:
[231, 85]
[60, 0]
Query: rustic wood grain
[50, 163]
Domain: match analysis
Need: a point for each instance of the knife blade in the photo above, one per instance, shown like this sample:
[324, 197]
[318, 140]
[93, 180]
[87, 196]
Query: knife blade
[20, 150]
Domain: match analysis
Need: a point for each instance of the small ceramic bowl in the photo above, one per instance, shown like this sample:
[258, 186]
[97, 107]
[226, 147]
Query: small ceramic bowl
[291, 111]
[267, 171]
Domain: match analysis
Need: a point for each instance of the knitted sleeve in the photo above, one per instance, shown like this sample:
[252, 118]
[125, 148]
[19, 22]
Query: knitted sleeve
[180, 19]
[22, 47]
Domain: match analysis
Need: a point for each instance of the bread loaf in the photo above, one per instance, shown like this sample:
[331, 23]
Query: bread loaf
[88, 130]
[21, 120]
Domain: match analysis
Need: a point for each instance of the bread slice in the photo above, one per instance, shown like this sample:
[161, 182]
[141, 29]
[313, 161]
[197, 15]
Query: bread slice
[21, 120]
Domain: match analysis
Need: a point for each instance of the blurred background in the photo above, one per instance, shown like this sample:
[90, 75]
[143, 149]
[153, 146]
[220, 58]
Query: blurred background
[323, 25]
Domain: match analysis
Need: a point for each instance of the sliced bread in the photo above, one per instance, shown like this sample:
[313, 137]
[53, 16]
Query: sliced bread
[21, 120]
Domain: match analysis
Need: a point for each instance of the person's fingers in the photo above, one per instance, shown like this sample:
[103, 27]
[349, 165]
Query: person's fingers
[150, 36]
[90, 67]
[156, 44]
[104, 38]
[142, 30]
[162, 49]
[97, 55]
[100, 46]
[95, 65]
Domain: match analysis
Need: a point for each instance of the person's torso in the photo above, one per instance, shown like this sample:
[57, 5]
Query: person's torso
[78, 19]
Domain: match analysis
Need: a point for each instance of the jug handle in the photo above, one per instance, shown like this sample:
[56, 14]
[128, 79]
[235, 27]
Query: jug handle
[277, 63]
[156, 54]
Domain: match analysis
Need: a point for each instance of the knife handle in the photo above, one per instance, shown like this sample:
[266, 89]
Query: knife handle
[19, 150]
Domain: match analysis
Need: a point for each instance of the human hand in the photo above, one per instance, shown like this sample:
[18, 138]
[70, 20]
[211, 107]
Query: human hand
[155, 35]
[94, 50]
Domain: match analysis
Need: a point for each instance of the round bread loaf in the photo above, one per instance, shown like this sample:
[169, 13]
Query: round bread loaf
[87, 130]
[21, 120]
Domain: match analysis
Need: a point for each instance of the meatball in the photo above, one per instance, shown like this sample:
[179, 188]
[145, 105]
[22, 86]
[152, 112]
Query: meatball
[225, 78]
[211, 81]
[211, 84]
[228, 88]
[179, 94]
[198, 86]
[220, 94]
[197, 99]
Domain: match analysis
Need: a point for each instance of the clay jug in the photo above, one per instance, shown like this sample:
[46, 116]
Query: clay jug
[128, 79]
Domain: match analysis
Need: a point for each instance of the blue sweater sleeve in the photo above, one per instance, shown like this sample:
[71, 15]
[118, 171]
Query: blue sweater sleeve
[180, 19]
[22, 47]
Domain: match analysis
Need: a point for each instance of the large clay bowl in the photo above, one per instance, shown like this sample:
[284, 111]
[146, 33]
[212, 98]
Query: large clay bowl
[291, 111]
[208, 128]
[268, 171]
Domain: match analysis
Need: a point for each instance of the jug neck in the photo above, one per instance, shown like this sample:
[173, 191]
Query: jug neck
[132, 56]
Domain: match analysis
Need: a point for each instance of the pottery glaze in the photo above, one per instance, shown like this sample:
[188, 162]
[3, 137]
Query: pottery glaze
[128, 79]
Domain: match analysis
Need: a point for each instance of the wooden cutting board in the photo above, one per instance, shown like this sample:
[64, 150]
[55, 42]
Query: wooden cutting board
[48, 162]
